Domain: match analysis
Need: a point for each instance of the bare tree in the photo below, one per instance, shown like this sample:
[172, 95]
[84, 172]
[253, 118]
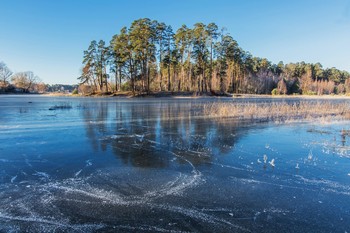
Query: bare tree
[5, 74]
[25, 80]
[40, 87]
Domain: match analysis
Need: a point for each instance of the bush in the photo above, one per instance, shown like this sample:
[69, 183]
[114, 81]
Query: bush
[75, 92]
[274, 92]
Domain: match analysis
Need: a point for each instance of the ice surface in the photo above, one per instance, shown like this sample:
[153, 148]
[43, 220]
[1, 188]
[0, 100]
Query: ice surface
[159, 166]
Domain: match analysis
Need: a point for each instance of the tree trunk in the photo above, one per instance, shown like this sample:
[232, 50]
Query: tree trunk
[120, 79]
[101, 82]
[160, 65]
[148, 79]
[132, 78]
[182, 76]
[144, 76]
[161, 78]
[190, 85]
[199, 84]
[116, 79]
[211, 65]
[175, 79]
[203, 77]
[106, 79]
[169, 84]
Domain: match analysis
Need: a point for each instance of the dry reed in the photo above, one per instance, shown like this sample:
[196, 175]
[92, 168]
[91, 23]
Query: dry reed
[279, 111]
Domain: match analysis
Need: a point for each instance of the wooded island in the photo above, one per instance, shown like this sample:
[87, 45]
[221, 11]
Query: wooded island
[150, 57]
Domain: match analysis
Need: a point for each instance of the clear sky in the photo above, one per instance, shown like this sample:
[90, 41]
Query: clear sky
[48, 37]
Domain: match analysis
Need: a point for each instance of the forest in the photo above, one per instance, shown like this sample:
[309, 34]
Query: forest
[150, 56]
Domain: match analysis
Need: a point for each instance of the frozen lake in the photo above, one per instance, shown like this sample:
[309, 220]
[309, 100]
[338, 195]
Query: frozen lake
[157, 165]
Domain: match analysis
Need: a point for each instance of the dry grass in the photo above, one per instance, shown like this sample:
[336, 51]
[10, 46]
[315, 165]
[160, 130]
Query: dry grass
[280, 111]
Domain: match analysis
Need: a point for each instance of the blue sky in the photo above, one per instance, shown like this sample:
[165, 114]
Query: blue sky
[48, 36]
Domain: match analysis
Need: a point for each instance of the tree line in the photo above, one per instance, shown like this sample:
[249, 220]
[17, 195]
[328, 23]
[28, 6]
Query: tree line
[150, 57]
[28, 82]
[20, 82]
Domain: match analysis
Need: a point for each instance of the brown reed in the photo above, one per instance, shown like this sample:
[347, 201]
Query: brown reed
[279, 111]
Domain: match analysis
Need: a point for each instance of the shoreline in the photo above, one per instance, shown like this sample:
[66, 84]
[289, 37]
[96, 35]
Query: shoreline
[188, 95]
[180, 95]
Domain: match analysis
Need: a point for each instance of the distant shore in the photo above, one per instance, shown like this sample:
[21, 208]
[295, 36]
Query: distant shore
[129, 94]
